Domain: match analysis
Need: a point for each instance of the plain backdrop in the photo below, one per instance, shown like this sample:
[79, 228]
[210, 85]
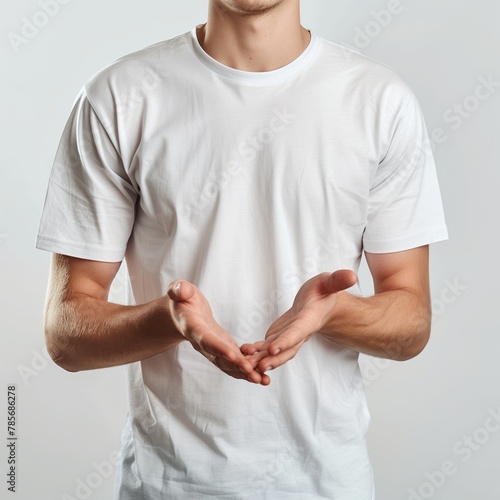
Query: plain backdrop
[435, 429]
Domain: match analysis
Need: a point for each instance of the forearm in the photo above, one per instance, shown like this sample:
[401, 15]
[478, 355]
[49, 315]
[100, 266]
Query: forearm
[393, 324]
[85, 333]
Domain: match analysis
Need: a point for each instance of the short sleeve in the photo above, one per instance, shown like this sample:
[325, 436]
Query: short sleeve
[405, 209]
[89, 207]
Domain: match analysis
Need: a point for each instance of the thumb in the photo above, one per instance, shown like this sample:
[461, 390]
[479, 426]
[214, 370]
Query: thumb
[340, 280]
[180, 291]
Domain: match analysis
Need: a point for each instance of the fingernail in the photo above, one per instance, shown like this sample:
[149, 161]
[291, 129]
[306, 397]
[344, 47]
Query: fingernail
[269, 368]
[177, 289]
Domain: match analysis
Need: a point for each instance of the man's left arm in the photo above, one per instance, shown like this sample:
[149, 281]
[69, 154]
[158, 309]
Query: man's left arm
[393, 323]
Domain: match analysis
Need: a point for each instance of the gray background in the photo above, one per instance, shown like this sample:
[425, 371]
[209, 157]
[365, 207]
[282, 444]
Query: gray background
[426, 412]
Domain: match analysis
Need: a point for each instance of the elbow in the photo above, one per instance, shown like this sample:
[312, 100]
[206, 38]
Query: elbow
[415, 338]
[412, 347]
[421, 342]
[410, 344]
[59, 353]
[58, 344]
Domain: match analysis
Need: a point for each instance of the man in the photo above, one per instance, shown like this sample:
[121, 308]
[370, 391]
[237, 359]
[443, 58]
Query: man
[241, 169]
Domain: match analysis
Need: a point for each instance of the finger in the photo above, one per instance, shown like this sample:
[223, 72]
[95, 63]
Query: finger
[273, 362]
[340, 280]
[217, 343]
[219, 347]
[264, 345]
[230, 357]
[228, 368]
[279, 325]
[250, 349]
[180, 290]
[254, 376]
[255, 358]
[259, 378]
[286, 341]
[297, 332]
[249, 369]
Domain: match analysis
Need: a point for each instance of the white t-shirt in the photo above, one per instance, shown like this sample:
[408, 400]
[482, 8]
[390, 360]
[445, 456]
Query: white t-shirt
[246, 184]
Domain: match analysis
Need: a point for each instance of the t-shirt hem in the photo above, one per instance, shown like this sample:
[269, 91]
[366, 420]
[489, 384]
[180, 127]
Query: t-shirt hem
[406, 243]
[80, 251]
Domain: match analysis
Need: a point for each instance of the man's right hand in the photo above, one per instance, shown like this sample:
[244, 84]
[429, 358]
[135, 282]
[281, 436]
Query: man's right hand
[192, 316]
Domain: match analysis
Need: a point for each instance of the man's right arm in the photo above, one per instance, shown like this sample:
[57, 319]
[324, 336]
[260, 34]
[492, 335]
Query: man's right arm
[84, 331]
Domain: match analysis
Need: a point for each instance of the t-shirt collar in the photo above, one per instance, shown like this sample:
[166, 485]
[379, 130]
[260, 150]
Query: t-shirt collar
[254, 78]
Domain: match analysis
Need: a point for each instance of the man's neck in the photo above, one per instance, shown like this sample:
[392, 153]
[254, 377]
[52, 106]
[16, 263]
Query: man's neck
[259, 42]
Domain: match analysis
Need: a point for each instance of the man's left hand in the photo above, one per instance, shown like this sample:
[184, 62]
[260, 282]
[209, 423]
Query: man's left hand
[312, 309]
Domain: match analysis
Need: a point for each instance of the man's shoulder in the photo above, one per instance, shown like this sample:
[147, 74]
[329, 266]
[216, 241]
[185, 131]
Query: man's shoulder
[363, 72]
[346, 57]
[138, 70]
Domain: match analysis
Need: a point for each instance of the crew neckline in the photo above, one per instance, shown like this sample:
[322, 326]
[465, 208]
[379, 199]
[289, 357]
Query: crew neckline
[254, 78]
